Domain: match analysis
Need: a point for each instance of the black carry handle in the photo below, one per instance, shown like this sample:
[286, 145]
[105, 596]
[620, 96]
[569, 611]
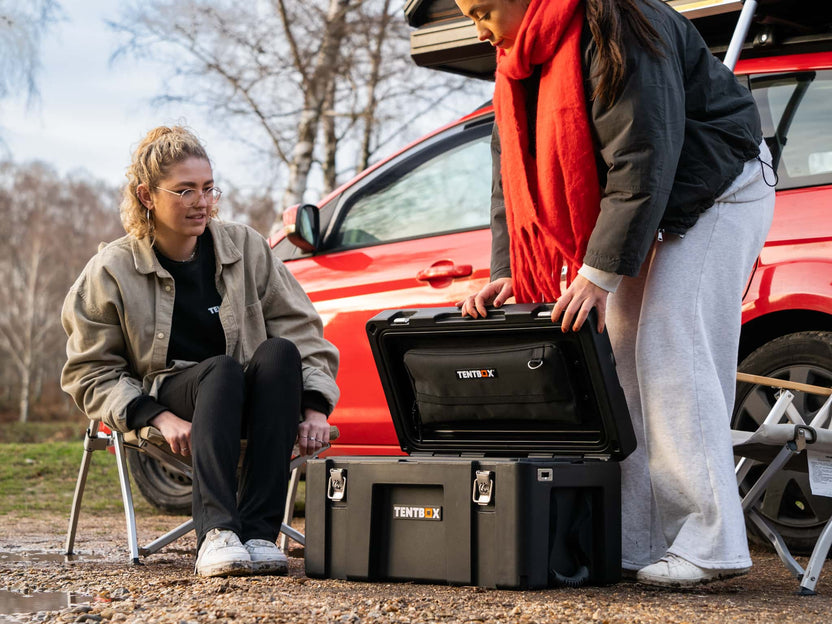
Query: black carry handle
[568, 563]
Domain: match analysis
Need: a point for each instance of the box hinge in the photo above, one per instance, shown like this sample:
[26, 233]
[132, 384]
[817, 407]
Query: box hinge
[337, 487]
[483, 487]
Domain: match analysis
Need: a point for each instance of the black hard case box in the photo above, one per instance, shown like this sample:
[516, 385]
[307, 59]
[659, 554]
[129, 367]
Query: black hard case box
[512, 500]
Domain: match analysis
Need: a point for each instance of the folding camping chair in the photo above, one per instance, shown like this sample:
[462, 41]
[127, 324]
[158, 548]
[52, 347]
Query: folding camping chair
[149, 440]
[783, 440]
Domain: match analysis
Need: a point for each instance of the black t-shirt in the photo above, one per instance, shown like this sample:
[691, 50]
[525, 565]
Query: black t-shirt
[196, 332]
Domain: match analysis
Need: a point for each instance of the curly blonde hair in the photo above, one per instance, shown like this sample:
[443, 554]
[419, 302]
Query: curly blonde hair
[158, 151]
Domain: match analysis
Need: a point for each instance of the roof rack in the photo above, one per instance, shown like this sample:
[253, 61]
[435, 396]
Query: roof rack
[693, 9]
[445, 40]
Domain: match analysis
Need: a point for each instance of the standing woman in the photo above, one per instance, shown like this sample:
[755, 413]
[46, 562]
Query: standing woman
[190, 325]
[631, 158]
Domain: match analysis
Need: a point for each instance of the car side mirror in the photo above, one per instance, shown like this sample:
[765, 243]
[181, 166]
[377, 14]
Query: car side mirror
[302, 226]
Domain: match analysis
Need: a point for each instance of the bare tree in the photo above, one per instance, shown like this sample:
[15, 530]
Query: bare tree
[318, 84]
[378, 34]
[257, 209]
[398, 100]
[22, 25]
[48, 234]
[309, 85]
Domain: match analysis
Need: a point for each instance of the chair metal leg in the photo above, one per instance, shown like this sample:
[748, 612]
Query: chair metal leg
[777, 541]
[79, 488]
[816, 561]
[289, 510]
[293, 533]
[750, 504]
[93, 441]
[286, 530]
[76, 502]
[127, 498]
[758, 489]
[172, 535]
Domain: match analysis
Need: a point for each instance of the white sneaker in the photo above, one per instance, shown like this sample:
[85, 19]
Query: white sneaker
[266, 557]
[222, 554]
[674, 571]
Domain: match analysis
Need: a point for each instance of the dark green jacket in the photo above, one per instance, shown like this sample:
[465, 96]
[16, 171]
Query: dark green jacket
[673, 141]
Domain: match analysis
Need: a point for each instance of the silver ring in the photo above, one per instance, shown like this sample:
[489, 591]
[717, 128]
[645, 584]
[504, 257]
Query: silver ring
[301, 436]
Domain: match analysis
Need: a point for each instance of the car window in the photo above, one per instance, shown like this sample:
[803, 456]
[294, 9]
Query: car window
[796, 112]
[449, 192]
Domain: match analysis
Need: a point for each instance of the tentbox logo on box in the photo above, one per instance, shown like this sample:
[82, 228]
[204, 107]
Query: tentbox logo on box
[477, 373]
[411, 512]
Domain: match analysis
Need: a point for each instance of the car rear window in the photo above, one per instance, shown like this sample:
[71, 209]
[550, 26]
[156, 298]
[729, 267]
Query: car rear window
[796, 113]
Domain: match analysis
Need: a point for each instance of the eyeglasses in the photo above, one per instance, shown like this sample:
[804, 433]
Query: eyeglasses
[191, 197]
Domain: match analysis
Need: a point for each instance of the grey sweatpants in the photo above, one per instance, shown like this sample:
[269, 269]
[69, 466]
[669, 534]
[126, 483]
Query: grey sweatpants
[675, 332]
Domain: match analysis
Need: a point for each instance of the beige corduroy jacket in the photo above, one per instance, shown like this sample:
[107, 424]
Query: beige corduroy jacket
[118, 316]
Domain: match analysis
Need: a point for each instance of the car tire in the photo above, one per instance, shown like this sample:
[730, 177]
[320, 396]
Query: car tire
[804, 357]
[160, 486]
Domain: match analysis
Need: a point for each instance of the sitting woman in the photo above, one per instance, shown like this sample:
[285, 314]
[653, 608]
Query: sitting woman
[190, 325]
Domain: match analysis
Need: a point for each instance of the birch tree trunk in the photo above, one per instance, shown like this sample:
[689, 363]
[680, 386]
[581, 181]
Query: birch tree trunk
[330, 141]
[317, 86]
[51, 226]
[372, 85]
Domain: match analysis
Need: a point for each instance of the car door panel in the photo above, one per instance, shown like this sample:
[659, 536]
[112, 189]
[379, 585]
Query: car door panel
[350, 287]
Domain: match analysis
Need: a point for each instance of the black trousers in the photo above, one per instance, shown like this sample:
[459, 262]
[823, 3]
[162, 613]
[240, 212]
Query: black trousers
[225, 403]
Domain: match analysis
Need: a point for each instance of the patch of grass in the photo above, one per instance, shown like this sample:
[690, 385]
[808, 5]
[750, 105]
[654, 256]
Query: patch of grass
[40, 478]
[31, 432]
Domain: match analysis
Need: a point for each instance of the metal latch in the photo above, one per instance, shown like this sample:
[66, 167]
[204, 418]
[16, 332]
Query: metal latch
[800, 437]
[336, 489]
[483, 486]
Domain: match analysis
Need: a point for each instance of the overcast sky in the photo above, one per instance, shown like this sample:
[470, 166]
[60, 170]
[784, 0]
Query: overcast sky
[91, 113]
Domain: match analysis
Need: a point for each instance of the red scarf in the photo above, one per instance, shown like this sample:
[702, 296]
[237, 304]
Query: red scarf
[552, 201]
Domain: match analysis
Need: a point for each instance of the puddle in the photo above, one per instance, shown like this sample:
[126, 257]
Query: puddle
[41, 557]
[14, 602]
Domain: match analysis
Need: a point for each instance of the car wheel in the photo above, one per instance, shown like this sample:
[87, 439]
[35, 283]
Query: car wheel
[804, 357]
[162, 487]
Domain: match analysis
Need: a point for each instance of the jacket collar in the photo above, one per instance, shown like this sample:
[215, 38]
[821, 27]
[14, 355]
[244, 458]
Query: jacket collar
[145, 260]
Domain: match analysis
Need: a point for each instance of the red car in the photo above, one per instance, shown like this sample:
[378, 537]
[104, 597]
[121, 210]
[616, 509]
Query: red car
[413, 232]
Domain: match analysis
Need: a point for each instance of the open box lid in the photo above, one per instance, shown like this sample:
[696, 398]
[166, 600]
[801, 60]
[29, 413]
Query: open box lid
[580, 412]
[443, 39]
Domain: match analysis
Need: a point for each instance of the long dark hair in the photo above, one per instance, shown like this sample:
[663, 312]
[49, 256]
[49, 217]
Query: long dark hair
[607, 20]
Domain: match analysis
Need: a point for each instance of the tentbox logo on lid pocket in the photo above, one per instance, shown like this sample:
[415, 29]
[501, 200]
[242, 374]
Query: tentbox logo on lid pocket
[477, 373]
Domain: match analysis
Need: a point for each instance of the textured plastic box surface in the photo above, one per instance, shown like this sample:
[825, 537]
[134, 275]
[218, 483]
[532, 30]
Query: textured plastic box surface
[415, 519]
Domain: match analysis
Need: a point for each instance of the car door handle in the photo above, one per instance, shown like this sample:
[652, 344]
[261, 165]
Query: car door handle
[444, 270]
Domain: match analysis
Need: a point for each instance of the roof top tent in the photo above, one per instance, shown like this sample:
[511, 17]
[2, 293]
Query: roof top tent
[444, 39]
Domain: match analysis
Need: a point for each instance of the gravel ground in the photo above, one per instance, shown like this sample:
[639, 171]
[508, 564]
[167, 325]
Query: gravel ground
[165, 590]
